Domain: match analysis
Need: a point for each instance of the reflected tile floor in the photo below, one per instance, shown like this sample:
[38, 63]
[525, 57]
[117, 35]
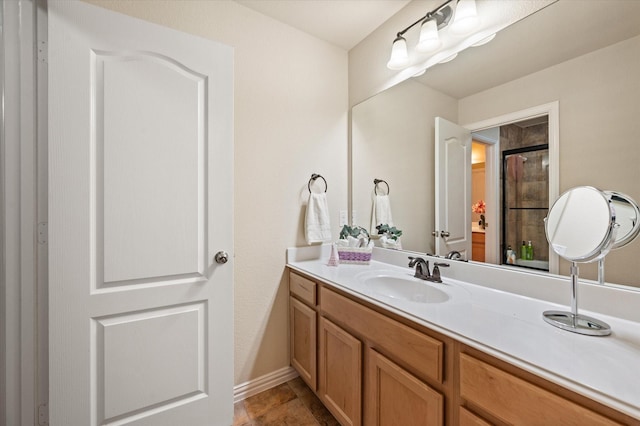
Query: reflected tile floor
[291, 403]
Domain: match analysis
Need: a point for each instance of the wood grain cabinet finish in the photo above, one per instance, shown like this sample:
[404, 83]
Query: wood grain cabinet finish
[477, 246]
[303, 288]
[400, 370]
[303, 341]
[422, 353]
[516, 401]
[340, 373]
[396, 397]
[467, 418]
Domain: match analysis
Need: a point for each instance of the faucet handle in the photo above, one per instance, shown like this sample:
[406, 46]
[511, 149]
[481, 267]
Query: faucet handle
[435, 274]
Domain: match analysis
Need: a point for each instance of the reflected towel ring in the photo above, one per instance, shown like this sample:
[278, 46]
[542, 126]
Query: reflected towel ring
[315, 176]
[376, 182]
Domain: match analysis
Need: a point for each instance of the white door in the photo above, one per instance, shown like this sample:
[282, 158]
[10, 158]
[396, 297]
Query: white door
[140, 178]
[452, 188]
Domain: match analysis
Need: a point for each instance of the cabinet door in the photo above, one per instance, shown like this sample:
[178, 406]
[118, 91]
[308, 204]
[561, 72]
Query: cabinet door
[303, 341]
[467, 418]
[340, 373]
[516, 401]
[395, 397]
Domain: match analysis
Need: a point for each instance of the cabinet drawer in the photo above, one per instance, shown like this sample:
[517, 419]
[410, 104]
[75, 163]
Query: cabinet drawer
[422, 353]
[303, 288]
[517, 401]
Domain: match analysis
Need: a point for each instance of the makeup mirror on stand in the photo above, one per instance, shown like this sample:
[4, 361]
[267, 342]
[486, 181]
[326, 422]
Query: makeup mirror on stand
[628, 220]
[581, 227]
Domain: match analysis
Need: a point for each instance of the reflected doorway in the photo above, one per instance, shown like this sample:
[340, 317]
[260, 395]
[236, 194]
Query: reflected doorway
[478, 197]
[521, 189]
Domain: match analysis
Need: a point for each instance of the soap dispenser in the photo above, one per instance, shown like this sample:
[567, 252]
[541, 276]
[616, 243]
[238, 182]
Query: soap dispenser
[529, 251]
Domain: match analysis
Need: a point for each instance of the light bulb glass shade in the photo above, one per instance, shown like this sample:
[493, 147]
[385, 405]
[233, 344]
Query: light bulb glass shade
[466, 17]
[448, 59]
[429, 39]
[484, 40]
[399, 54]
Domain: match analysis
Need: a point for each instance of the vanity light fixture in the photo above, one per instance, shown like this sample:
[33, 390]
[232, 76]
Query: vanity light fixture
[464, 21]
[399, 54]
[466, 17]
[429, 39]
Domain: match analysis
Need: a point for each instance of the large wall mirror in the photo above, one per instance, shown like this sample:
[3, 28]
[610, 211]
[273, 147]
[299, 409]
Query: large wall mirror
[583, 55]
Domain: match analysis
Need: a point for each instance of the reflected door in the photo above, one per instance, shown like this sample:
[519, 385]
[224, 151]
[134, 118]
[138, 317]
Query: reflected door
[140, 146]
[452, 189]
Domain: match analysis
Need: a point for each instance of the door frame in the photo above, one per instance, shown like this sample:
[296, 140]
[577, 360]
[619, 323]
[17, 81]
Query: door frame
[552, 110]
[23, 188]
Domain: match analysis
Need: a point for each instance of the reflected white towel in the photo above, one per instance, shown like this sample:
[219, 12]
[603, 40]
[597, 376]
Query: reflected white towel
[380, 213]
[317, 228]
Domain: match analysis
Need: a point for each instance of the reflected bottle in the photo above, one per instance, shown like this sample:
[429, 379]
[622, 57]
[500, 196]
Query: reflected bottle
[529, 251]
[523, 251]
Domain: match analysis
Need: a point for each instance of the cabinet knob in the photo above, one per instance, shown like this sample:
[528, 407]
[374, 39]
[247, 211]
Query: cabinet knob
[444, 234]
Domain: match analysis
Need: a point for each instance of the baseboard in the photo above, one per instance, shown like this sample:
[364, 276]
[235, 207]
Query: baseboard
[268, 381]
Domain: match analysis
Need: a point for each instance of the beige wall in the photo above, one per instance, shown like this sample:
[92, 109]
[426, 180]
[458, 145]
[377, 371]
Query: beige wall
[368, 72]
[392, 133]
[599, 127]
[290, 121]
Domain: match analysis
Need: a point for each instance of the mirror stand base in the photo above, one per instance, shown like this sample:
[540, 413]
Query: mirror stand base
[577, 323]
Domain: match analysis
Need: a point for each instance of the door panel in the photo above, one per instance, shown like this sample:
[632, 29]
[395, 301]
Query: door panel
[142, 338]
[453, 188]
[140, 177]
[138, 241]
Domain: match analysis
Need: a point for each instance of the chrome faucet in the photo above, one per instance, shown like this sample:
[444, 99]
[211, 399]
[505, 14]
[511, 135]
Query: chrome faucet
[422, 267]
[453, 255]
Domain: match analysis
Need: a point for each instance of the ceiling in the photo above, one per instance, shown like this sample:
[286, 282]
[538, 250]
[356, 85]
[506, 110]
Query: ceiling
[344, 23]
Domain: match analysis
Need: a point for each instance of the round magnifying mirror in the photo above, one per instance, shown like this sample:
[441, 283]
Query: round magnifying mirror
[627, 218]
[581, 225]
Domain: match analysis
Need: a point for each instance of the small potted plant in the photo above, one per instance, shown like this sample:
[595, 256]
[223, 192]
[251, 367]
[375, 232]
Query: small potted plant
[390, 236]
[354, 245]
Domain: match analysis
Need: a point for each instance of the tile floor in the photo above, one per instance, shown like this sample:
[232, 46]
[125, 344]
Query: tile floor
[289, 404]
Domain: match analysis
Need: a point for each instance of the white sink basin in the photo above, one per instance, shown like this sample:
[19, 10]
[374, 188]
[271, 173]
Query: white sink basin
[405, 288]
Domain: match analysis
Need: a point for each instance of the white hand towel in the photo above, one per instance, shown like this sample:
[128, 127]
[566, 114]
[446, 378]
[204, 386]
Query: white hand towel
[380, 213]
[317, 227]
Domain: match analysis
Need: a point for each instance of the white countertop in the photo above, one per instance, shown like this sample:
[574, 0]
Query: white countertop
[510, 327]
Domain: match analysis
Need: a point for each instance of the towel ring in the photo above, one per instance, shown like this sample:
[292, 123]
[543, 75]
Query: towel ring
[315, 176]
[376, 182]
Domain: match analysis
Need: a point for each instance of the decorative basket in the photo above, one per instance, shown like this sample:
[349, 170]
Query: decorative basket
[360, 255]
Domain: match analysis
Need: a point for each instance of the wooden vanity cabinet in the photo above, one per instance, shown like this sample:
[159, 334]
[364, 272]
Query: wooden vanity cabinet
[303, 328]
[372, 369]
[477, 246]
[376, 368]
[494, 392]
